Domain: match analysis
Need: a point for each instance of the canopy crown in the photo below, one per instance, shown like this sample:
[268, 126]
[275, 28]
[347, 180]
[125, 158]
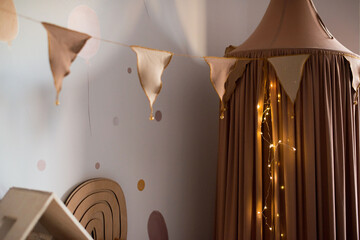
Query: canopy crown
[291, 24]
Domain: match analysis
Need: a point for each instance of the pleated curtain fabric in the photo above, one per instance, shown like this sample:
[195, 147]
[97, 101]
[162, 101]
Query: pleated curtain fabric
[321, 179]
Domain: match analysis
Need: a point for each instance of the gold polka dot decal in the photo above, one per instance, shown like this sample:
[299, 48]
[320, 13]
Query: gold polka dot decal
[141, 185]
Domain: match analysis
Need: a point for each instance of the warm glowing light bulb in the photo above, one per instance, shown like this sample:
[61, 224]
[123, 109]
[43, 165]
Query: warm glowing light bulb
[261, 133]
[269, 165]
[265, 207]
[271, 146]
[271, 85]
[279, 96]
[294, 149]
[279, 141]
[270, 228]
[282, 235]
[258, 106]
[282, 187]
[270, 177]
[277, 215]
[259, 213]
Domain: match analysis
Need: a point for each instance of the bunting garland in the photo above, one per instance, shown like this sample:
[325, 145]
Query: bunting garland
[64, 45]
[151, 64]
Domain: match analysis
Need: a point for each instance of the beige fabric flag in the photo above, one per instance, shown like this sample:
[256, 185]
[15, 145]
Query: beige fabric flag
[64, 45]
[237, 73]
[151, 64]
[8, 21]
[220, 69]
[355, 69]
[289, 71]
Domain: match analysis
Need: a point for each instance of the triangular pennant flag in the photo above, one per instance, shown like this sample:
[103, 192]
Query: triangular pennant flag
[8, 21]
[289, 72]
[237, 73]
[64, 45]
[355, 69]
[151, 64]
[220, 69]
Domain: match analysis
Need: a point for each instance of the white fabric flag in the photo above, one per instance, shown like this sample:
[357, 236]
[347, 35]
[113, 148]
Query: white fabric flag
[220, 69]
[289, 71]
[151, 64]
[355, 69]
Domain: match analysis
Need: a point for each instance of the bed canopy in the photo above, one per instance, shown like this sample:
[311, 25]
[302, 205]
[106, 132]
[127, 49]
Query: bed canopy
[288, 168]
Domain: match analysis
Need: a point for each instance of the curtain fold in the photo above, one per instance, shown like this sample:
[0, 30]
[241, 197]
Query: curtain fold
[315, 188]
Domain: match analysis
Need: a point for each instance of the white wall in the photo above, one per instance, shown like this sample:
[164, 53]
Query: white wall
[175, 156]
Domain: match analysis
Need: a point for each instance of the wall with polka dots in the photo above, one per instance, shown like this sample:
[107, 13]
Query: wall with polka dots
[166, 167]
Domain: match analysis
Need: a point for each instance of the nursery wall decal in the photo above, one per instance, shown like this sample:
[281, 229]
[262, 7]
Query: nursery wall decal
[84, 19]
[41, 165]
[141, 185]
[156, 225]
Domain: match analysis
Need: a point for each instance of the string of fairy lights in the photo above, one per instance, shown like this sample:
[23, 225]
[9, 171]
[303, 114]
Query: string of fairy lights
[272, 159]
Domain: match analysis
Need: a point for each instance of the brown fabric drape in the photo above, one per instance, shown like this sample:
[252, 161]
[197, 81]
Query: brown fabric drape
[321, 179]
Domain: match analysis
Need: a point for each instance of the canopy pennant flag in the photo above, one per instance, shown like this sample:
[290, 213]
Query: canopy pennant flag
[355, 69]
[8, 21]
[289, 71]
[235, 74]
[220, 69]
[64, 45]
[151, 64]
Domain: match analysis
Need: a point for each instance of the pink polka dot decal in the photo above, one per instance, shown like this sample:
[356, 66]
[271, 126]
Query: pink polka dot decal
[97, 165]
[41, 165]
[157, 229]
[84, 19]
[116, 121]
[158, 116]
[129, 70]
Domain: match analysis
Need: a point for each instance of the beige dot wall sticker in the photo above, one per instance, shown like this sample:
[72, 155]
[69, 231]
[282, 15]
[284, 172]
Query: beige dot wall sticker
[84, 19]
